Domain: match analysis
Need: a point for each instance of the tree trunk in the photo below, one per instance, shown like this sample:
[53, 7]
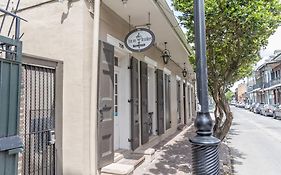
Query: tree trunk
[223, 115]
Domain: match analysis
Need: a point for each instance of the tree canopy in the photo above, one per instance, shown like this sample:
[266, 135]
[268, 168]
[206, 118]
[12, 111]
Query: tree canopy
[235, 32]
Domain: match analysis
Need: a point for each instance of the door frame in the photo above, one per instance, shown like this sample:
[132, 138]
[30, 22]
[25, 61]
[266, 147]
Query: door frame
[154, 93]
[58, 65]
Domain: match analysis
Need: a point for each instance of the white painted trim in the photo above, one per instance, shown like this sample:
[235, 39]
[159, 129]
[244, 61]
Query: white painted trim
[187, 82]
[178, 77]
[119, 45]
[149, 61]
[167, 71]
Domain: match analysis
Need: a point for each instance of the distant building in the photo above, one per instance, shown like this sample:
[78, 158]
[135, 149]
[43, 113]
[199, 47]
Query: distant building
[241, 92]
[264, 86]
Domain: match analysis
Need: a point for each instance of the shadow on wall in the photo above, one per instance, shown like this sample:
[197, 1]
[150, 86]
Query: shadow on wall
[69, 5]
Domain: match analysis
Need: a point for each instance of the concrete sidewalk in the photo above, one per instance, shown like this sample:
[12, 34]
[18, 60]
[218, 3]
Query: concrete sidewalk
[173, 156]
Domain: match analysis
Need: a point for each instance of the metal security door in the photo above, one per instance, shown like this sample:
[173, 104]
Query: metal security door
[105, 104]
[10, 143]
[38, 120]
[145, 120]
[10, 71]
[134, 103]
[160, 102]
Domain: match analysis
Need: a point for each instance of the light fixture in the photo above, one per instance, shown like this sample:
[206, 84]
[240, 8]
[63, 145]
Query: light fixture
[125, 3]
[184, 72]
[166, 54]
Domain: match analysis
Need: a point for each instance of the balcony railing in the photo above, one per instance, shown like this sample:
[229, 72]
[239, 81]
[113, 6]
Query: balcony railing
[264, 85]
[256, 86]
[275, 82]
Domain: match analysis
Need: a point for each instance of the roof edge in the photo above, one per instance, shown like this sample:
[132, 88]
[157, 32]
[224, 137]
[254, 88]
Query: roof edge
[169, 15]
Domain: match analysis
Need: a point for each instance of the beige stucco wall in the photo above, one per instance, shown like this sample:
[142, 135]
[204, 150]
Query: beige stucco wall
[63, 32]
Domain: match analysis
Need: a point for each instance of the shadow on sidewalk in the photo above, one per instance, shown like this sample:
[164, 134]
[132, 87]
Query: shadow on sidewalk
[236, 155]
[173, 156]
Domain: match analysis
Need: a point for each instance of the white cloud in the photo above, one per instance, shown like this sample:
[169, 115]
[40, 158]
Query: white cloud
[274, 43]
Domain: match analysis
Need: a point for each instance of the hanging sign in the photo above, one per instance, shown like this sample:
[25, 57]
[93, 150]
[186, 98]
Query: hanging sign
[139, 40]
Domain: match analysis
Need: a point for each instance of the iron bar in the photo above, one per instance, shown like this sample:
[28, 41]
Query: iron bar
[12, 14]
[30, 104]
[205, 147]
[4, 17]
[17, 30]
[13, 18]
[25, 119]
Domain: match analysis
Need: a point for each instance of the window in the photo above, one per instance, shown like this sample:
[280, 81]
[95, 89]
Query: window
[115, 94]
[116, 61]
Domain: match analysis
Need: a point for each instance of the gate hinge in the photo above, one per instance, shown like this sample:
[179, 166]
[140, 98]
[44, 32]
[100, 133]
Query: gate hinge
[130, 100]
[130, 140]
[129, 67]
[10, 143]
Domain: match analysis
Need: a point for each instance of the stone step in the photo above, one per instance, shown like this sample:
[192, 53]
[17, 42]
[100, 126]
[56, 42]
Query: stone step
[148, 153]
[117, 169]
[132, 159]
[117, 157]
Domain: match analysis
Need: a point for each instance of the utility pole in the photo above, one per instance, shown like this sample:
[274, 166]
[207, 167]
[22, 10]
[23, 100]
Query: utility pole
[205, 147]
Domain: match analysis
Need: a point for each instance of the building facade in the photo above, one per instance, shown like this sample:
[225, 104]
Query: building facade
[264, 85]
[241, 93]
[85, 95]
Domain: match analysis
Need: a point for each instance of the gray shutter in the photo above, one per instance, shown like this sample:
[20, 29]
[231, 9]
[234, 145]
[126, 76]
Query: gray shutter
[167, 101]
[160, 102]
[105, 104]
[144, 103]
[134, 103]
[189, 102]
[179, 101]
[184, 103]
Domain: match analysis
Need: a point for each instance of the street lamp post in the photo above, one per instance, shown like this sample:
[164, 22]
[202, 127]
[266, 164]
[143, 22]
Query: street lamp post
[205, 147]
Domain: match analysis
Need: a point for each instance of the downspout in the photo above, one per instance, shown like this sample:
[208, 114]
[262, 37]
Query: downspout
[93, 91]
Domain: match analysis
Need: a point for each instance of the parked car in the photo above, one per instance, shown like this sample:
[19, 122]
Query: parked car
[277, 112]
[240, 105]
[257, 108]
[247, 106]
[252, 107]
[233, 103]
[267, 110]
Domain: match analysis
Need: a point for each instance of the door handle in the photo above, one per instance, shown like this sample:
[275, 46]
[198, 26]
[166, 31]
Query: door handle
[105, 108]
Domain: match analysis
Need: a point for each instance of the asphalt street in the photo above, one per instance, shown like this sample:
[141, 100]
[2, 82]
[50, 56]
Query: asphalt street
[255, 143]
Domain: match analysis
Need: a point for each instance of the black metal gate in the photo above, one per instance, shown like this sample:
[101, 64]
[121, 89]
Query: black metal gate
[38, 120]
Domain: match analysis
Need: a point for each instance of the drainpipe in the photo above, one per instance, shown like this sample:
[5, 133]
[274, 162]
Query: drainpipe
[93, 90]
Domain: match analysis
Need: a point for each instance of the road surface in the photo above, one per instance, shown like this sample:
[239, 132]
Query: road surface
[255, 143]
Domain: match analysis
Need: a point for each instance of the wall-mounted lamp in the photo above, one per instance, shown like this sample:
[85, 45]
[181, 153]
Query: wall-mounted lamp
[184, 72]
[166, 54]
[125, 2]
